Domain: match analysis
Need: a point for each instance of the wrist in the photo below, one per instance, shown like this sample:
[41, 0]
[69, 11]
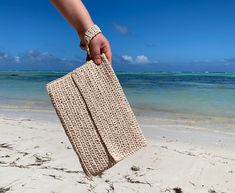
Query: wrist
[85, 39]
[83, 28]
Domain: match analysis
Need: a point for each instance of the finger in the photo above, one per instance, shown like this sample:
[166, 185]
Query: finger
[108, 53]
[95, 54]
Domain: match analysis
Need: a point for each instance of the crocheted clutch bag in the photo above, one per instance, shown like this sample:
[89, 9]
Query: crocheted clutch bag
[96, 116]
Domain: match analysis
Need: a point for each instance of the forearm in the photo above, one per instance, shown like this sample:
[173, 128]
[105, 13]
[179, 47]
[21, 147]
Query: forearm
[75, 13]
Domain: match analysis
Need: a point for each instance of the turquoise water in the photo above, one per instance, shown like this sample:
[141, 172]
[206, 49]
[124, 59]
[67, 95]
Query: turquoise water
[190, 93]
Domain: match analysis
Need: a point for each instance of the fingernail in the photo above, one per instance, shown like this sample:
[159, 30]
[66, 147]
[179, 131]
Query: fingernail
[98, 61]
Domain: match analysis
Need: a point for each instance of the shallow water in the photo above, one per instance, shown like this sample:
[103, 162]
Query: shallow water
[189, 93]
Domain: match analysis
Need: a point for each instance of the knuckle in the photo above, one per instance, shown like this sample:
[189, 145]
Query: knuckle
[97, 56]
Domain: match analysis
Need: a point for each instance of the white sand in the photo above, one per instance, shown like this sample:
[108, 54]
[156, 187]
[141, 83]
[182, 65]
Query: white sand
[36, 157]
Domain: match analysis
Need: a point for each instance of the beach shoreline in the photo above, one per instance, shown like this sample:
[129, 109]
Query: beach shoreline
[34, 150]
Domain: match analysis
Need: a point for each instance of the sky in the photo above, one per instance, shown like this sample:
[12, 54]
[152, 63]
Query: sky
[150, 35]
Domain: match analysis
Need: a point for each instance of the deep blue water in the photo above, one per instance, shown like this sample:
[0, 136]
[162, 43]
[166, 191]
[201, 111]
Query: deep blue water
[190, 93]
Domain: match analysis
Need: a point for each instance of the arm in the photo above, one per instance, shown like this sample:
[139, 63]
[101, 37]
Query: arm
[77, 15]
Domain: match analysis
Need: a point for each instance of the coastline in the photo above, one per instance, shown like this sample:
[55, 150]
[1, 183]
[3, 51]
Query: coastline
[181, 153]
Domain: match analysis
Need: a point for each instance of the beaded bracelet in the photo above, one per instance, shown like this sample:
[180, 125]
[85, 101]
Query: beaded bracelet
[89, 35]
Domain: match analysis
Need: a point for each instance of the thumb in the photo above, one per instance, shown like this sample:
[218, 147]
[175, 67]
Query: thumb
[95, 54]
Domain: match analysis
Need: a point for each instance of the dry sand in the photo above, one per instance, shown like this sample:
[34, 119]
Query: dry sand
[181, 156]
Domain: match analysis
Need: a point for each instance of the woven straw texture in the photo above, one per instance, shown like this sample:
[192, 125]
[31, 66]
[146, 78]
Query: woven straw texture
[96, 116]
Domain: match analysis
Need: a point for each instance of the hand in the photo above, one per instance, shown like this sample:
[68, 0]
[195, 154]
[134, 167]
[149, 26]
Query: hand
[98, 45]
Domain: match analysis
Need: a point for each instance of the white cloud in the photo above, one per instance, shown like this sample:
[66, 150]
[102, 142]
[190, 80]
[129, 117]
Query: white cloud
[141, 59]
[121, 29]
[17, 59]
[128, 59]
[36, 60]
